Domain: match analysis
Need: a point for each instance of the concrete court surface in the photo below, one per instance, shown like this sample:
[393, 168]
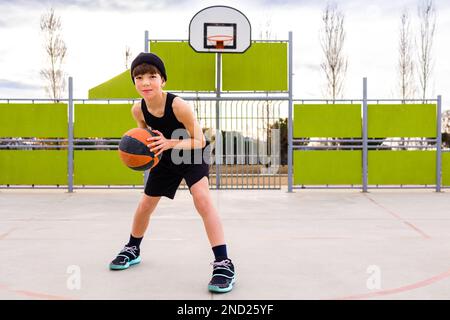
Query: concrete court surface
[310, 244]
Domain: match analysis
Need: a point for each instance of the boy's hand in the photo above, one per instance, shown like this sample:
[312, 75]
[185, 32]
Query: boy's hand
[160, 143]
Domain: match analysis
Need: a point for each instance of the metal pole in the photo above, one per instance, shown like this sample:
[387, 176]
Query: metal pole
[146, 49]
[146, 46]
[70, 133]
[365, 144]
[438, 144]
[218, 148]
[290, 106]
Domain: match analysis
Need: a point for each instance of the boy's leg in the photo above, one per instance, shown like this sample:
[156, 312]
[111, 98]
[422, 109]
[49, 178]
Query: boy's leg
[141, 219]
[205, 207]
[223, 277]
[130, 254]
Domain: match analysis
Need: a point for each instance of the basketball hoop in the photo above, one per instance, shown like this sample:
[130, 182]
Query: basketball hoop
[219, 41]
[219, 29]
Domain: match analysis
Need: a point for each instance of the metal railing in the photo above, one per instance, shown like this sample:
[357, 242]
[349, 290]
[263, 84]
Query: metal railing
[365, 143]
[244, 139]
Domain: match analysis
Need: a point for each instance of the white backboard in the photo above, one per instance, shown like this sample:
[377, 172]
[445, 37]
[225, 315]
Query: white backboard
[220, 29]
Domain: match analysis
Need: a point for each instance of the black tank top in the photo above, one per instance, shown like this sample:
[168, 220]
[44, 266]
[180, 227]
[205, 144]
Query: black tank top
[166, 124]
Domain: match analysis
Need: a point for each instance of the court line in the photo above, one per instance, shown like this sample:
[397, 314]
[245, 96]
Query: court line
[398, 217]
[33, 294]
[40, 295]
[409, 287]
[321, 237]
[4, 235]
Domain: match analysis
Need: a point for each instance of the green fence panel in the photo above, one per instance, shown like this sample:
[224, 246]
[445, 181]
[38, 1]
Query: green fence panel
[33, 120]
[263, 67]
[327, 120]
[446, 168]
[102, 120]
[327, 167]
[186, 69]
[401, 167]
[38, 167]
[401, 120]
[103, 167]
[119, 87]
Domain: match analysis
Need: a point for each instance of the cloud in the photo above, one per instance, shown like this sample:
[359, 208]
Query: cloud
[289, 3]
[100, 5]
[371, 41]
[7, 84]
[311, 67]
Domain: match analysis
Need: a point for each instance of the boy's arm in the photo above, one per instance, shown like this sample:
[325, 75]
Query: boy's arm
[138, 116]
[185, 114]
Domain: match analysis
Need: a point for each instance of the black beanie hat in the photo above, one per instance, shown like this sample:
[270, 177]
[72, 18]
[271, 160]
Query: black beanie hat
[150, 58]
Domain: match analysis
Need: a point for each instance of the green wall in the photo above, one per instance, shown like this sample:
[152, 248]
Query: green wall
[402, 167]
[102, 120]
[446, 169]
[103, 167]
[39, 167]
[402, 120]
[327, 120]
[385, 167]
[311, 167]
[263, 67]
[33, 120]
[119, 87]
[186, 69]
[319, 167]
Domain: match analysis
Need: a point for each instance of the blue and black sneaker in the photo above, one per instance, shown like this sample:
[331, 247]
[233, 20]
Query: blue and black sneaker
[126, 258]
[223, 277]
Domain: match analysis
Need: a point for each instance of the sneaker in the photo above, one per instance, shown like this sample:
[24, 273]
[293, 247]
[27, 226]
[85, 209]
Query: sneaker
[223, 277]
[126, 258]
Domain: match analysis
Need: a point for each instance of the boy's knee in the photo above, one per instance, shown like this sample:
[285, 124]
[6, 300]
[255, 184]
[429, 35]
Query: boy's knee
[201, 201]
[147, 204]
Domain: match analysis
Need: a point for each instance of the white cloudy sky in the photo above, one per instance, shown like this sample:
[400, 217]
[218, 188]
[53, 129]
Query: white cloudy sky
[97, 31]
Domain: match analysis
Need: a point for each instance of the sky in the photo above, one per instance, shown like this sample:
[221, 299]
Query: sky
[97, 32]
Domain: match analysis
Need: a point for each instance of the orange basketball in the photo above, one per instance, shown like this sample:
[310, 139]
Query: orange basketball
[134, 152]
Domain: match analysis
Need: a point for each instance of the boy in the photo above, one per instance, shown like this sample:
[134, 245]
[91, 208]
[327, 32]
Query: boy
[165, 113]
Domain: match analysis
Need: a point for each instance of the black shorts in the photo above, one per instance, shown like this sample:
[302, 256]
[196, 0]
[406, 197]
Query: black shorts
[165, 178]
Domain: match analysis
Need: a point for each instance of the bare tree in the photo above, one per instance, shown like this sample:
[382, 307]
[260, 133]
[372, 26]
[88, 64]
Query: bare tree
[266, 30]
[267, 34]
[332, 39]
[55, 50]
[405, 67]
[405, 61]
[127, 56]
[427, 17]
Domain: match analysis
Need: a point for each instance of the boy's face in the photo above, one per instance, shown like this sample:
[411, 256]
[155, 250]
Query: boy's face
[149, 85]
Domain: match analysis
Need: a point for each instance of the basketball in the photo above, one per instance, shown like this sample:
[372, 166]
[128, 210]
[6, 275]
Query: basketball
[134, 152]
